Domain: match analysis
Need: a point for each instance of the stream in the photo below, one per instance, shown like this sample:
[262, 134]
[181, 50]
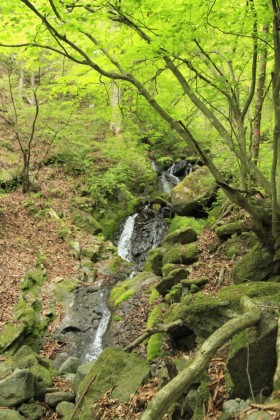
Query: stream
[82, 330]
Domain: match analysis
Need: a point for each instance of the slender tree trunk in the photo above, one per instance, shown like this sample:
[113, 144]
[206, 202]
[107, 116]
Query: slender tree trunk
[116, 124]
[33, 87]
[260, 92]
[275, 171]
[21, 83]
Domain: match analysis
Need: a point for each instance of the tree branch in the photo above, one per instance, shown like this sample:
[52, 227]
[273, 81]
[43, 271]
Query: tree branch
[174, 390]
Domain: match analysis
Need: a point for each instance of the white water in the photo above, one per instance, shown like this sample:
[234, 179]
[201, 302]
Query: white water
[96, 347]
[124, 245]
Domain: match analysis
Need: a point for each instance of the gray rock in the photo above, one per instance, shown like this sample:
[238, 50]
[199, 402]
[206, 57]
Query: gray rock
[54, 398]
[6, 414]
[65, 408]
[69, 366]
[16, 388]
[81, 373]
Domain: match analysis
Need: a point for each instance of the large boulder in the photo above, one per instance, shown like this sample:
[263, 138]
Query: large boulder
[180, 236]
[255, 266]
[203, 314]
[193, 192]
[227, 230]
[115, 370]
[181, 254]
[252, 359]
[16, 388]
[41, 369]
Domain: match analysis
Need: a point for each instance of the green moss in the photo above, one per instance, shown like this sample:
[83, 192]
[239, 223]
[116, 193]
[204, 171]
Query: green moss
[154, 261]
[62, 289]
[126, 295]
[201, 400]
[156, 315]
[181, 254]
[120, 289]
[11, 333]
[154, 295]
[116, 370]
[155, 346]
[175, 294]
[117, 318]
[180, 222]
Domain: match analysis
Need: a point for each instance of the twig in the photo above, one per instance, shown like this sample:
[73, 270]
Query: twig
[82, 397]
[161, 328]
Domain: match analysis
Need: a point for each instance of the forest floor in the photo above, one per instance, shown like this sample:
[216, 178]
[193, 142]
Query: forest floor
[29, 237]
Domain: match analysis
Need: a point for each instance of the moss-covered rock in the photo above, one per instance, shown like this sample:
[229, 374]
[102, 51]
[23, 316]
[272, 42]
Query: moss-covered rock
[114, 370]
[16, 388]
[174, 277]
[32, 411]
[86, 222]
[164, 162]
[167, 268]
[184, 222]
[181, 254]
[154, 261]
[175, 294]
[193, 192]
[253, 355]
[155, 347]
[255, 266]
[180, 236]
[203, 315]
[7, 414]
[229, 229]
[41, 369]
[11, 333]
[126, 288]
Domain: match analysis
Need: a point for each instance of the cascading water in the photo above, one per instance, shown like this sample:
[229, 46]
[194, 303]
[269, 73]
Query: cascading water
[142, 231]
[125, 241]
[96, 347]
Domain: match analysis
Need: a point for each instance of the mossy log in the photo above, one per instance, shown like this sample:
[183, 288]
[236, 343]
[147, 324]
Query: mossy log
[175, 389]
[161, 328]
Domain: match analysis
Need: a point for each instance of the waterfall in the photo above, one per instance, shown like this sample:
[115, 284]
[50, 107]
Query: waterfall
[124, 245]
[96, 346]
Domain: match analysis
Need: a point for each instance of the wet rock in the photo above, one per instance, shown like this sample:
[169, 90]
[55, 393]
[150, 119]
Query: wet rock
[54, 398]
[80, 324]
[16, 388]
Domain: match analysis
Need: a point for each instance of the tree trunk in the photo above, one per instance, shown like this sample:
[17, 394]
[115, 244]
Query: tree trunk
[260, 94]
[116, 124]
[176, 388]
